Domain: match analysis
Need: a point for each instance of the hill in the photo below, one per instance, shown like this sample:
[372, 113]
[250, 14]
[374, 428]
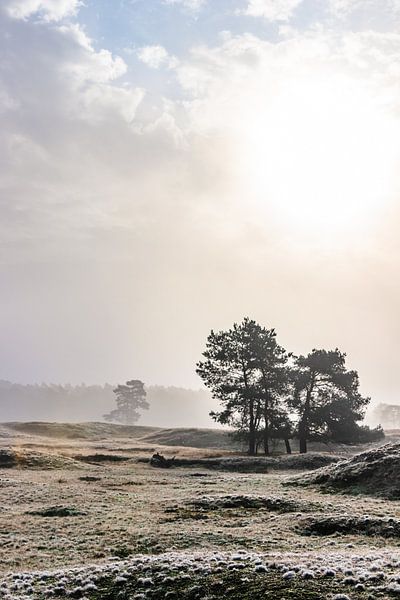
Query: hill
[86, 431]
[195, 438]
[374, 472]
[190, 437]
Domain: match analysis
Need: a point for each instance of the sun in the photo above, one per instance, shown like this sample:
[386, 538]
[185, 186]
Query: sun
[321, 154]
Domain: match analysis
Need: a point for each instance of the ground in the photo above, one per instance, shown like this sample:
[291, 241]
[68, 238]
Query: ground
[122, 529]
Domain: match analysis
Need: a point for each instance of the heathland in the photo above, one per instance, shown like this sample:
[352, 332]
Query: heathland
[85, 515]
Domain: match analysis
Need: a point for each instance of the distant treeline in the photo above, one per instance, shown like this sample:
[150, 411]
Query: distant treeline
[169, 406]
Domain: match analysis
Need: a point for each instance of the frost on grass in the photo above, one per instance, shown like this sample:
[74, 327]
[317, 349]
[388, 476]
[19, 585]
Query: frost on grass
[235, 576]
[375, 472]
[30, 459]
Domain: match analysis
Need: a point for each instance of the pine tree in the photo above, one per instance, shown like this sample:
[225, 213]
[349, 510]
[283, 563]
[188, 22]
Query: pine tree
[130, 398]
[325, 395]
[244, 368]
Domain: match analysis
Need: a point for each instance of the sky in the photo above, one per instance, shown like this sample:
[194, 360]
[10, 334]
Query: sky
[168, 167]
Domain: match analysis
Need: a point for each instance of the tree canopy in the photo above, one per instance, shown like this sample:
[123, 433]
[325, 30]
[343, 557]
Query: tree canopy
[267, 393]
[130, 399]
[245, 369]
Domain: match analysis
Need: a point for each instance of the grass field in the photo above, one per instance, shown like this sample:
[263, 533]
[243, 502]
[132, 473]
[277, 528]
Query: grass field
[102, 529]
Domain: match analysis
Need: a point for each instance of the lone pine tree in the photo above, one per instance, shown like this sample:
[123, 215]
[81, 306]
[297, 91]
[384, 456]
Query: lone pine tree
[130, 399]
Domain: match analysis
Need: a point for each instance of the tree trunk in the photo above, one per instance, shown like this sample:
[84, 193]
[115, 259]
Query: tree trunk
[303, 427]
[266, 426]
[252, 430]
[266, 437]
[288, 448]
[302, 443]
[252, 443]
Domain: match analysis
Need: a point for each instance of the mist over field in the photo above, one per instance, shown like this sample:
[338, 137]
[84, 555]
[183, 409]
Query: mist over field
[169, 406]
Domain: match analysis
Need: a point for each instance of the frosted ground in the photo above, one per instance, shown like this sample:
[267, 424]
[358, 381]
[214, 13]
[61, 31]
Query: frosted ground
[74, 524]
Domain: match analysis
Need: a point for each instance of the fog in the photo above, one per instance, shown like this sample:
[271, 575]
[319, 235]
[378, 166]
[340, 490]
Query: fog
[169, 406]
[159, 182]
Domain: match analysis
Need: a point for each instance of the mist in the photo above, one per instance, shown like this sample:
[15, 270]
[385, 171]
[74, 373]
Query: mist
[169, 406]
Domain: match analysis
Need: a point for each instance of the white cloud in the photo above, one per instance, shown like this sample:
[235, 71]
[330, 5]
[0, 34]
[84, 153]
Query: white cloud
[155, 57]
[272, 10]
[193, 5]
[48, 10]
[368, 10]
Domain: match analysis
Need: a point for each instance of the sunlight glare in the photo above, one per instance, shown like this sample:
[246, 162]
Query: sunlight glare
[322, 154]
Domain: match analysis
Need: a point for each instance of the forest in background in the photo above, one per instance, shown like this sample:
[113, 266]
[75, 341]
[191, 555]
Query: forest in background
[169, 406]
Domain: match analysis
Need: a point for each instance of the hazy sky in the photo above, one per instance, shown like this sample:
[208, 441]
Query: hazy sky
[170, 166]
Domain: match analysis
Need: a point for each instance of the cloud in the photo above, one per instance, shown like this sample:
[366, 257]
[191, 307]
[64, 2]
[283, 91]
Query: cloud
[367, 11]
[61, 105]
[266, 169]
[156, 57]
[193, 5]
[272, 10]
[314, 109]
[48, 10]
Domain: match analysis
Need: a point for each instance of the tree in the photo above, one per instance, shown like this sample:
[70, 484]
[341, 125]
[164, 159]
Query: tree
[244, 369]
[270, 363]
[130, 398]
[338, 417]
[281, 427]
[325, 396]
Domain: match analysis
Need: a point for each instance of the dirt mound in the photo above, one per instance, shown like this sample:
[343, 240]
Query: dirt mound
[27, 459]
[375, 472]
[372, 526]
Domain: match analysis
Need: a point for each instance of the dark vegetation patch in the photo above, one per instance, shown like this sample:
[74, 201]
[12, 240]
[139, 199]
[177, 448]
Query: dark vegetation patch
[120, 485]
[375, 472]
[199, 508]
[57, 511]
[247, 502]
[330, 525]
[100, 458]
[89, 478]
[29, 459]
[256, 464]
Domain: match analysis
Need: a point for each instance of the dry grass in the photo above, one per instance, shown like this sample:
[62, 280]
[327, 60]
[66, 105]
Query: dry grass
[107, 513]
